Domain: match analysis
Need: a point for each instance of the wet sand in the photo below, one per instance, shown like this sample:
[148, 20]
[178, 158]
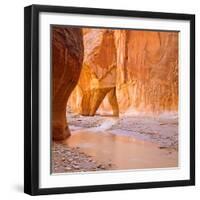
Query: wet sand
[70, 159]
[122, 151]
[161, 130]
[110, 143]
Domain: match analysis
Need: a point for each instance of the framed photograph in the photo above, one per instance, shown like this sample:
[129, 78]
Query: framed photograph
[109, 99]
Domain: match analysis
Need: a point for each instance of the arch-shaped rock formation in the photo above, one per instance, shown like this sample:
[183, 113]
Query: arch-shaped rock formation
[139, 67]
[98, 76]
[67, 58]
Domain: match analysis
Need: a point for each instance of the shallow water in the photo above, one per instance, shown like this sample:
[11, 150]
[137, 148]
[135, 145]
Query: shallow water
[123, 152]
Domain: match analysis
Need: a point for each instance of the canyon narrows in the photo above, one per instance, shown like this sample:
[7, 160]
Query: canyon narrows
[67, 56]
[119, 89]
[138, 70]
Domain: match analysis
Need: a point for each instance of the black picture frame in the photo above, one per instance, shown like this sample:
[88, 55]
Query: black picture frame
[31, 98]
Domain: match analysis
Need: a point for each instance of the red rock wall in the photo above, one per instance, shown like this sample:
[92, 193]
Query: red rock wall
[148, 72]
[140, 68]
[67, 57]
[98, 76]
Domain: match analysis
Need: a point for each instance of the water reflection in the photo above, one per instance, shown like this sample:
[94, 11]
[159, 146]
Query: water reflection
[122, 151]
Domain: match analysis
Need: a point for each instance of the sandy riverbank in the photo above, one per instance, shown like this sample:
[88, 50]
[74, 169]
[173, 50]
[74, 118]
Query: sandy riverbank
[161, 130]
[116, 143]
[71, 159]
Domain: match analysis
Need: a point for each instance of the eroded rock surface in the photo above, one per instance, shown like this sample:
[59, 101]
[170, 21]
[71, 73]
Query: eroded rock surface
[67, 57]
[127, 71]
[147, 64]
[98, 76]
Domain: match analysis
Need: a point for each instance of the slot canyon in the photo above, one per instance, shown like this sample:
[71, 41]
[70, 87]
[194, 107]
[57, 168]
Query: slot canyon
[127, 71]
[114, 82]
[67, 58]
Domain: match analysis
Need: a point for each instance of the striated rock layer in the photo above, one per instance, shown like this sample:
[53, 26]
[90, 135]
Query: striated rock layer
[147, 64]
[67, 57]
[127, 71]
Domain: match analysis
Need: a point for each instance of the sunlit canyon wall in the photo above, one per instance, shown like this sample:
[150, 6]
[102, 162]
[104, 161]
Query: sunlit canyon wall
[67, 58]
[127, 71]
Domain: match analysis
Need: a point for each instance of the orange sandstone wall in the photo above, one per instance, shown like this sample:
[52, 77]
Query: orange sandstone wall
[98, 76]
[148, 72]
[127, 71]
[67, 57]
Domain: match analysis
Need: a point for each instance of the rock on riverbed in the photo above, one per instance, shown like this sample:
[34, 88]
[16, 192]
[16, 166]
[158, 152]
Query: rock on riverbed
[68, 159]
[161, 130]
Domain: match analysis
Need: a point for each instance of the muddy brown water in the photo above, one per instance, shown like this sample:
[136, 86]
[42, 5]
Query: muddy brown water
[123, 152]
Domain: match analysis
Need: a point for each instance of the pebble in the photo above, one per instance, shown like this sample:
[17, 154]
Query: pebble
[67, 159]
[68, 168]
[70, 159]
[90, 159]
[76, 166]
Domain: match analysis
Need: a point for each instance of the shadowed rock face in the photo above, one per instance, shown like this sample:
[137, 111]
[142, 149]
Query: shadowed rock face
[67, 57]
[127, 71]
